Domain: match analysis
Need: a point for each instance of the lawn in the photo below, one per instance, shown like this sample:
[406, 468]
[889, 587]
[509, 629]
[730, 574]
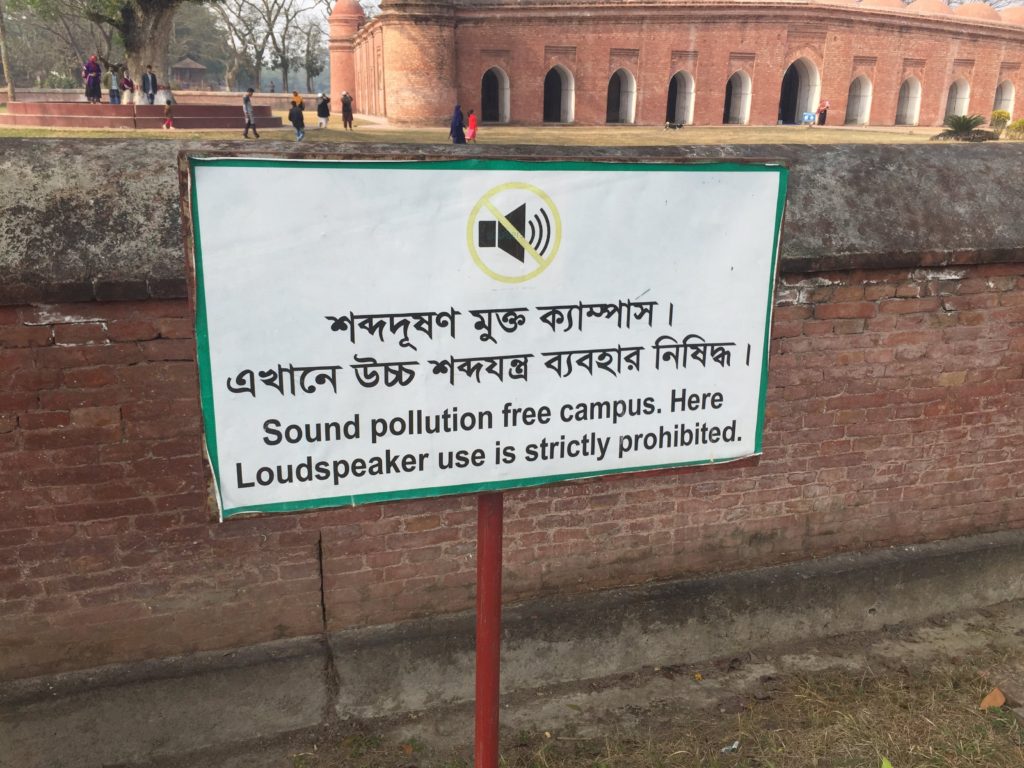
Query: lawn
[369, 130]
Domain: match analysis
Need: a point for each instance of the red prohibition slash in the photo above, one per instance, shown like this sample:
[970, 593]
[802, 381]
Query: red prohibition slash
[490, 510]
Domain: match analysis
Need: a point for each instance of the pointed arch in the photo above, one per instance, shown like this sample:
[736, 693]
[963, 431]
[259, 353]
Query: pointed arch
[858, 101]
[908, 106]
[958, 97]
[801, 88]
[621, 104]
[494, 96]
[559, 95]
[680, 99]
[1005, 96]
[737, 98]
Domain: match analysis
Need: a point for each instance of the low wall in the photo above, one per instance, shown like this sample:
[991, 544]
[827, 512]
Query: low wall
[893, 417]
[278, 101]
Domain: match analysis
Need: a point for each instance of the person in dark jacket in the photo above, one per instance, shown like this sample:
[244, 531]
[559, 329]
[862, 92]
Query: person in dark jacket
[296, 118]
[456, 131]
[148, 84]
[346, 110]
[323, 110]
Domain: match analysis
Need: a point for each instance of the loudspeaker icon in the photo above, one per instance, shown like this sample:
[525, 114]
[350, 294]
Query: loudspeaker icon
[490, 235]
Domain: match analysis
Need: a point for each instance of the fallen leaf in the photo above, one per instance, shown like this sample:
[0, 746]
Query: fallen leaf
[994, 699]
[407, 748]
[698, 676]
[886, 763]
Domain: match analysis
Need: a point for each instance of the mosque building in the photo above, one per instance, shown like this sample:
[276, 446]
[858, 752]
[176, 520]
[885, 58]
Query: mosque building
[700, 62]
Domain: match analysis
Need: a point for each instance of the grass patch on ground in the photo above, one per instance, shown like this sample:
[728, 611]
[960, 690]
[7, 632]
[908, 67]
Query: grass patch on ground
[367, 131]
[922, 718]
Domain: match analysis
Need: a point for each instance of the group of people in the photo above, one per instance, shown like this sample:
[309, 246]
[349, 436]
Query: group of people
[118, 84]
[462, 130]
[296, 113]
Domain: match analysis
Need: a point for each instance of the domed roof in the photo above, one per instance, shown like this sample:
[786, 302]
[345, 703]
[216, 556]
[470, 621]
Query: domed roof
[897, 4]
[1013, 15]
[977, 10]
[345, 9]
[929, 6]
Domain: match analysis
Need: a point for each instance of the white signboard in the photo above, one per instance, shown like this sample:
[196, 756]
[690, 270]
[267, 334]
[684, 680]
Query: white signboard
[382, 330]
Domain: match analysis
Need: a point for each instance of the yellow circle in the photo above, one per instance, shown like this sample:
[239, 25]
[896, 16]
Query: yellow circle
[556, 240]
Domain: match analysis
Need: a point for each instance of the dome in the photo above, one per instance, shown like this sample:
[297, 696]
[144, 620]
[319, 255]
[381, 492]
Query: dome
[896, 4]
[930, 6]
[1013, 15]
[347, 9]
[978, 10]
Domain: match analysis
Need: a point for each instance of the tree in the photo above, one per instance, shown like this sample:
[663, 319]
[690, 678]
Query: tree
[143, 26]
[5, 61]
[315, 53]
[281, 18]
[247, 36]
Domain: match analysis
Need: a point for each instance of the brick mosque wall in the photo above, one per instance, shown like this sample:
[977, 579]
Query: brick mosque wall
[894, 406]
[653, 41]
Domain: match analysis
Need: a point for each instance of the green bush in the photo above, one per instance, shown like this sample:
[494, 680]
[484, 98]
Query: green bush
[1015, 130]
[997, 122]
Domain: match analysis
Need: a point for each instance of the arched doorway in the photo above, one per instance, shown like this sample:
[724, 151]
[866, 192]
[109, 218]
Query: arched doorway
[858, 102]
[908, 107]
[958, 98]
[559, 95]
[800, 88]
[737, 99]
[494, 99]
[1005, 94]
[680, 99]
[621, 97]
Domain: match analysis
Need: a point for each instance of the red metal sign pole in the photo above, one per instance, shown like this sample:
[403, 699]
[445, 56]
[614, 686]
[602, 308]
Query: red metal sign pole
[488, 626]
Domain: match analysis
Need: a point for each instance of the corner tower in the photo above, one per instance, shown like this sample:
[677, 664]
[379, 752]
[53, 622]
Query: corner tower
[344, 23]
[419, 59]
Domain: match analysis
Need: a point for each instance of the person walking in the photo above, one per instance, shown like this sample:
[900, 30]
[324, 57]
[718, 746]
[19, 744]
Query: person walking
[823, 111]
[323, 110]
[91, 78]
[149, 84]
[250, 120]
[346, 110]
[456, 131]
[169, 111]
[295, 117]
[471, 128]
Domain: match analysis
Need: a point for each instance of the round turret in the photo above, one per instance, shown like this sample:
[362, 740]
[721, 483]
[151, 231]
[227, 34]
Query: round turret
[344, 24]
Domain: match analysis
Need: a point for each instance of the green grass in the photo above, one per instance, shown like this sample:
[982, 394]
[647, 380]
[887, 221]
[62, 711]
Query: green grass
[371, 131]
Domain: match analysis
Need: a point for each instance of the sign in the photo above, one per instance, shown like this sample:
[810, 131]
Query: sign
[390, 330]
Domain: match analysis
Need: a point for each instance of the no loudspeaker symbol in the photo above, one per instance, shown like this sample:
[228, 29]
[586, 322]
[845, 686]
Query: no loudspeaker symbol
[514, 232]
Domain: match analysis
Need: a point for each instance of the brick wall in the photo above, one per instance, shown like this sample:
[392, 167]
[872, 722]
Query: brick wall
[894, 415]
[428, 66]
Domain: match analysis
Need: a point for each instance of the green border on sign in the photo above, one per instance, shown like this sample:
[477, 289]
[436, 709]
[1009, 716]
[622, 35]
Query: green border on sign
[202, 326]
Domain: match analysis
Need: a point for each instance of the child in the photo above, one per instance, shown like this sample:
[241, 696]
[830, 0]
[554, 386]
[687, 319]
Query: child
[471, 129]
[169, 112]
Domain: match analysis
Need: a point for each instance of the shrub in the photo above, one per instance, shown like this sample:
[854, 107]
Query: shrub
[997, 122]
[964, 128]
[1015, 130]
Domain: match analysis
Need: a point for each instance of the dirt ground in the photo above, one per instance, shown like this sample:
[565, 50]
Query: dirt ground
[909, 694]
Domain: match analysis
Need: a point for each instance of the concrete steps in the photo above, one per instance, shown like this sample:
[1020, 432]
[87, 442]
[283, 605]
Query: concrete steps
[143, 116]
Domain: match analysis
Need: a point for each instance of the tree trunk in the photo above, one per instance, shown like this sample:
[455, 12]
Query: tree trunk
[146, 30]
[5, 62]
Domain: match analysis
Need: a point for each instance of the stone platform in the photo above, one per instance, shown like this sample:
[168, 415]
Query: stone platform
[84, 115]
